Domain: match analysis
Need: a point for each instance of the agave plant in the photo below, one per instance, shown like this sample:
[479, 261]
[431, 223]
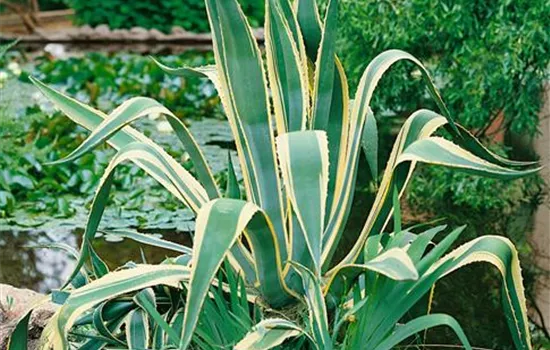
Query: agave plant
[299, 138]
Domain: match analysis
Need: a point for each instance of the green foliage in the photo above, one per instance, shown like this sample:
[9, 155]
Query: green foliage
[51, 5]
[106, 81]
[438, 187]
[159, 14]
[487, 56]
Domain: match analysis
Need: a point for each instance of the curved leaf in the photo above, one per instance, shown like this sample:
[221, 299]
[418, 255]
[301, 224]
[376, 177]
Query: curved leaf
[501, 253]
[151, 240]
[416, 131]
[136, 108]
[268, 334]
[188, 189]
[90, 118]
[420, 124]
[394, 263]
[108, 287]
[438, 151]
[103, 329]
[422, 323]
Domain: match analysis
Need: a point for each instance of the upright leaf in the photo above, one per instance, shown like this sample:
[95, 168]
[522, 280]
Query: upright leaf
[287, 67]
[325, 68]
[318, 316]
[244, 96]
[303, 157]
[19, 338]
[137, 329]
[232, 190]
[330, 97]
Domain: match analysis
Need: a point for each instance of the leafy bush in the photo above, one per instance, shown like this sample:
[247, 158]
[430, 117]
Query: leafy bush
[50, 5]
[159, 14]
[487, 56]
[299, 170]
[436, 187]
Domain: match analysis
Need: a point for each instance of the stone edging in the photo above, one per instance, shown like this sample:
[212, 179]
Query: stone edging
[103, 33]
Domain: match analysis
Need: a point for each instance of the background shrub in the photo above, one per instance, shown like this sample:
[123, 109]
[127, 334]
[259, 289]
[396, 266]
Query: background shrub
[159, 14]
[488, 56]
[50, 5]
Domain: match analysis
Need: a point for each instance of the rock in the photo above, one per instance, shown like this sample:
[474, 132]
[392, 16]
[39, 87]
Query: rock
[102, 29]
[101, 32]
[138, 30]
[86, 31]
[156, 34]
[21, 300]
[74, 33]
[138, 33]
[119, 34]
[52, 35]
[177, 30]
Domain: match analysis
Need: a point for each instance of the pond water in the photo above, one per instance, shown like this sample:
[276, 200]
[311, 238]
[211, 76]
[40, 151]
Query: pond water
[44, 269]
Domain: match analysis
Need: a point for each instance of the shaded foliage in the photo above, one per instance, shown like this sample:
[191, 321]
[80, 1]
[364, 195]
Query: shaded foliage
[159, 14]
[488, 56]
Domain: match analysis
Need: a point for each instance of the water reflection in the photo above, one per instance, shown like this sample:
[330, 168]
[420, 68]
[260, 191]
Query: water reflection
[117, 253]
[36, 269]
[45, 269]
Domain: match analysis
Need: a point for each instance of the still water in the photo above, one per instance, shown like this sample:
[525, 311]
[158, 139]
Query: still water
[23, 265]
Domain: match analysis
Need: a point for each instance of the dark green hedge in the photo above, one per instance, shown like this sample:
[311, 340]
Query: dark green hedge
[44, 5]
[488, 56]
[159, 14]
[51, 5]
